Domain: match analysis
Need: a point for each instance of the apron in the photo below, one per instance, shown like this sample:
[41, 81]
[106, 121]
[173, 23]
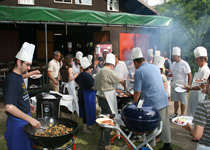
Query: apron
[15, 136]
[195, 97]
[71, 90]
[111, 98]
[90, 106]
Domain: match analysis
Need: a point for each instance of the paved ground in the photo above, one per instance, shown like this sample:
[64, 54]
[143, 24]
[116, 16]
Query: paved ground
[180, 136]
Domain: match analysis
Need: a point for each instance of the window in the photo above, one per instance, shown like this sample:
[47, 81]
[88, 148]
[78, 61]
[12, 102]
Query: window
[83, 2]
[63, 1]
[26, 2]
[113, 5]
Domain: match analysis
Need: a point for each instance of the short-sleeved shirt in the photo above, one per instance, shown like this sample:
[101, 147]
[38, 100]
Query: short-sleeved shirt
[148, 80]
[202, 118]
[122, 71]
[14, 92]
[105, 80]
[54, 67]
[180, 70]
[85, 81]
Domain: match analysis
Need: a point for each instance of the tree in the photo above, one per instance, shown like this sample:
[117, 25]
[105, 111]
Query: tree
[191, 24]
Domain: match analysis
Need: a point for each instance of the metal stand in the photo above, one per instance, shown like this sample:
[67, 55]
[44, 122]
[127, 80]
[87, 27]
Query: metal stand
[146, 138]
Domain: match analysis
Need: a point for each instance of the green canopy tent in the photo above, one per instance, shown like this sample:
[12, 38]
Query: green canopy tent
[44, 15]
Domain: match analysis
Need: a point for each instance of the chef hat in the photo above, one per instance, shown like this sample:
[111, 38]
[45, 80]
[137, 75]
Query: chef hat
[84, 62]
[79, 55]
[90, 57]
[110, 58]
[137, 53]
[157, 53]
[159, 61]
[150, 53]
[69, 44]
[200, 52]
[176, 51]
[26, 52]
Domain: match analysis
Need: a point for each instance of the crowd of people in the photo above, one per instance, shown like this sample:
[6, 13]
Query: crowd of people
[153, 79]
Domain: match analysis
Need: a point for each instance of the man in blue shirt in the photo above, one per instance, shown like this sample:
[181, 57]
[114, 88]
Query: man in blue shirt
[148, 84]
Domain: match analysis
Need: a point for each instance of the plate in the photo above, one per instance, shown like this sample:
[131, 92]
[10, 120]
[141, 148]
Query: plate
[37, 76]
[200, 81]
[180, 90]
[104, 121]
[179, 85]
[182, 120]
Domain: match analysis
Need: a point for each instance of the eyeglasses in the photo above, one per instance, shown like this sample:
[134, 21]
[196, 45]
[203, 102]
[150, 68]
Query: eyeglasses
[28, 65]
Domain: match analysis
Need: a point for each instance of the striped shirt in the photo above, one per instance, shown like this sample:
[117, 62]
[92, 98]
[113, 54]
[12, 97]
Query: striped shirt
[202, 118]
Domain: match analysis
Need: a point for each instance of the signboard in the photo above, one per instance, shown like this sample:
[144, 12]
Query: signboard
[113, 5]
[100, 48]
[83, 2]
[26, 2]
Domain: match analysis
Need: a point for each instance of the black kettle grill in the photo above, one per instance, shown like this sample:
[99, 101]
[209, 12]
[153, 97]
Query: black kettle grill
[48, 105]
[140, 120]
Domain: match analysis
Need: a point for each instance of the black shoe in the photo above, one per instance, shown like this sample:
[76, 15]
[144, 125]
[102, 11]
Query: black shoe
[166, 148]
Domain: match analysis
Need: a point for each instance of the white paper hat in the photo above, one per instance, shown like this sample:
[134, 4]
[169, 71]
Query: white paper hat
[150, 53]
[26, 52]
[200, 52]
[110, 58]
[90, 57]
[157, 53]
[79, 55]
[84, 62]
[176, 51]
[159, 61]
[136, 53]
[69, 44]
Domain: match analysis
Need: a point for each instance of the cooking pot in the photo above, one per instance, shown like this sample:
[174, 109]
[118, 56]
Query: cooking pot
[51, 142]
[140, 120]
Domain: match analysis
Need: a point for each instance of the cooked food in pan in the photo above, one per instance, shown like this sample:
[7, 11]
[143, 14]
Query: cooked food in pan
[52, 131]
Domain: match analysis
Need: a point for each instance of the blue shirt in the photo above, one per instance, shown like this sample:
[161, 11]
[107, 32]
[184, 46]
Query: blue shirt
[148, 80]
[14, 92]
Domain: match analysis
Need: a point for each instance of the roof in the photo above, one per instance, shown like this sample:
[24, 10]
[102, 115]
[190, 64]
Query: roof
[149, 7]
[10, 14]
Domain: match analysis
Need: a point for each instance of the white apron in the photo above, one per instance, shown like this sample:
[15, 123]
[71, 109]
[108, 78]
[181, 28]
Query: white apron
[111, 97]
[71, 90]
[196, 96]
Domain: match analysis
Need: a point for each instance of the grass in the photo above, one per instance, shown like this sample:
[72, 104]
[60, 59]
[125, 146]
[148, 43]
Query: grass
[82, 141]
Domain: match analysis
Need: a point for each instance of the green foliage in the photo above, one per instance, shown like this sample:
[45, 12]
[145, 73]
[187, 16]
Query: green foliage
[191, 25]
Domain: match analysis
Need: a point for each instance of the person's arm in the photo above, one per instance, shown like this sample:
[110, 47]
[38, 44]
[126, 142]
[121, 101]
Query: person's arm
[189, 78]
[35, 72]
[136, 96]
[71, 76]
[196, 132]
[51, 77]
[12, 109]
[165, 86]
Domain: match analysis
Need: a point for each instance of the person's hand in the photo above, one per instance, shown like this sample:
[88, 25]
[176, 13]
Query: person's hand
[170, 74]
[33, 108]
[35, 72]
[35, 123]
[75, 75]
[55, 82]
[187, 87]
[187, 127]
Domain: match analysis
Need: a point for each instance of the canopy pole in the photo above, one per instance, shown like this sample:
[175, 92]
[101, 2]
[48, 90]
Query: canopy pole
[46, 53]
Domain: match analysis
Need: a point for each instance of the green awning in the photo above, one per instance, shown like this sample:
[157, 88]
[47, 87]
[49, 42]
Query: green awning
[52, 15]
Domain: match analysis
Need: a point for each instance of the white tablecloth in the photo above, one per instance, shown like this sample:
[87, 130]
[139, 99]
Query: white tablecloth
[66, 100]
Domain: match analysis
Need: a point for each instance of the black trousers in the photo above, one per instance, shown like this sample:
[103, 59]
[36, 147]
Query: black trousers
[105, 132]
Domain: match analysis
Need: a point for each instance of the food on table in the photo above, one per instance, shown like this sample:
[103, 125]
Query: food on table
[53, 131]
[200, 80]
